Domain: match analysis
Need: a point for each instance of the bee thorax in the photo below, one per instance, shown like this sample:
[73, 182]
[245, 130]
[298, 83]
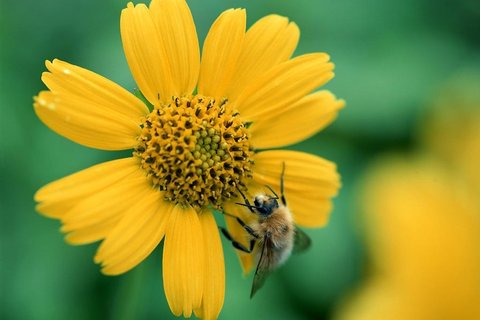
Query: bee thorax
[278, 228]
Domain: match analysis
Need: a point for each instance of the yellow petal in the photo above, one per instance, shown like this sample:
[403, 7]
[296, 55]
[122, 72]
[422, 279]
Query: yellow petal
[136, 235]
[310, 183]
[214, 280]
[270, 41]
[101, 211]
[183, 261]
[178, 37]
[54, 209]
[92, 126]
[57, 197]
[296, 122]
[92, 233]
[284, 85]
[220, 54]
[70, 79]
[146, 54]
[88, 109]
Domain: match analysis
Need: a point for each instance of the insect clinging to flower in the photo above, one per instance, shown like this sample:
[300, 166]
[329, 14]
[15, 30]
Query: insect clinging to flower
[273, 234]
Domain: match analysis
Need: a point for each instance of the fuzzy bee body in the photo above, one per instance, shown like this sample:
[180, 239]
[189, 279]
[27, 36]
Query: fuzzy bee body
[276, 231]
[273, 235]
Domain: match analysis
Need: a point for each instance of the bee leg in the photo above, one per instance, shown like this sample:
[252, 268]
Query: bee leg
[242, 223]
[236, 244]
[247, 228]
[282, 188]
[252, 244]
[247, 203]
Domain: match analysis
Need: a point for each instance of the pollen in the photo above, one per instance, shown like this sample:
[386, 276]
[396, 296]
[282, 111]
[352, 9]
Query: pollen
[196, 150]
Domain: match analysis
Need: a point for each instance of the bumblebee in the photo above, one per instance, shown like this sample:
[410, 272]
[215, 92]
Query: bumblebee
[273, 234]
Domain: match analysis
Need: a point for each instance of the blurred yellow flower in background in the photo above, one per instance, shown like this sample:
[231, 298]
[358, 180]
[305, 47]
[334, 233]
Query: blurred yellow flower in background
[424, 236]
[199, 143]
[451, 130]
[422, 218]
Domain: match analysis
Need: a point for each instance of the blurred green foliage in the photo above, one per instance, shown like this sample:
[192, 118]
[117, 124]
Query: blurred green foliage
[391, 58]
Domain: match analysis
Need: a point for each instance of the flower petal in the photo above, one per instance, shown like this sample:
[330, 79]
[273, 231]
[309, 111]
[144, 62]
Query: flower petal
[146, 54]
[183, 261]
[297, 121]
[284, 85]
[136, 235]
[178, 37]
[214, 280]
[57, 197]
[88, 109]
[270, 41]
[74, 80]
[94, 218]
[93, 127]
[220, 54]
[100, 212]
[310, 183]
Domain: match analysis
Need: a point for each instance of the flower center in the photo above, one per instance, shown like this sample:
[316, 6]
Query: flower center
[196, 150]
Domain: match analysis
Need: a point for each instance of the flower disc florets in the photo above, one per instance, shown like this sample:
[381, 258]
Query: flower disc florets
[196, 150]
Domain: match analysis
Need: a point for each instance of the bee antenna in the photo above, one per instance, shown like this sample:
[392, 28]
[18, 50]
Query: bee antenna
[243, 195]
[282, 185]
[272, 191]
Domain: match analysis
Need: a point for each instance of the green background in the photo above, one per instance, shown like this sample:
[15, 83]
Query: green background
[392, 58]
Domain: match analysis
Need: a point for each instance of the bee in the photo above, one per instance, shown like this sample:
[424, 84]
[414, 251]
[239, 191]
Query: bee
[273, 234]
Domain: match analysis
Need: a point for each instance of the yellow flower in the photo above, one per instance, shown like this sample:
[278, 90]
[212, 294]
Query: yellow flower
[422, 217]
[424, 236]
[453, 133]
[199, 144]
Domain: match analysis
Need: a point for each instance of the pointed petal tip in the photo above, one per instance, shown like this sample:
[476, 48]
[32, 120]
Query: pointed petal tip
[107, 271]
[236, 11]
[295, 29]
[37, 196]
[322, 57]
[74, 240]
[198, 313]
[112, 270]
[40, 210]
[45, 75]
[276, 16]
[68, 239]
[293, 24]
[328, 75]
[97, 258]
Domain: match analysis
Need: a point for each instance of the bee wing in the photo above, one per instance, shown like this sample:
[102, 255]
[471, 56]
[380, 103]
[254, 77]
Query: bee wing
[264, 266]
[302, 241]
